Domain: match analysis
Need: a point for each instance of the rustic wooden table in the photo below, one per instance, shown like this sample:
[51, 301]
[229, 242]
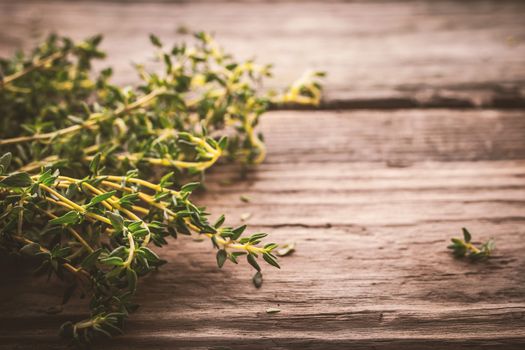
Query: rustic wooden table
[370, 188]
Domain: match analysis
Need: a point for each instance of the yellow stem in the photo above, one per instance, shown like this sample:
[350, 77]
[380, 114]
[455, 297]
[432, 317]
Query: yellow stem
[63, 199]
[110, 204]
[148, 199]
[39, 64]
[140, 182]
[131, 254]
[143, 196]
[255, 141]
[91, 122]
[72, 231]
[472, 248]
[68, 266]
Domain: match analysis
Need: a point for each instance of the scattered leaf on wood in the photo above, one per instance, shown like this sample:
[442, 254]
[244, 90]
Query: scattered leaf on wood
[285, 249]
[272, 310]
[257, 279]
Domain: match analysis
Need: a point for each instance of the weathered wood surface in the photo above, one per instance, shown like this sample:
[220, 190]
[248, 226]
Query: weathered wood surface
[371, 198]
[378, 53]
[371, 266]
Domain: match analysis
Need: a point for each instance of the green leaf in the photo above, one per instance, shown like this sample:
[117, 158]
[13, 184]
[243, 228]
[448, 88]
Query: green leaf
[132, 280]
[112, 261]
[119, 251]
[167, 61]
[30, 249]
[95, 163]
[150, 255]
[165, 181]
[466, 235]
[238, 232]
[190, 187]
[221, 257]
[128, 200]
[490, 245]
[17, 180]
[69, 218]
[72, 189]
[272, 310]
[286, 249]
[160, 196]
[270, 246]
[135, 225]
[253, 262]
[90, 260]
[257, 237]
[271, 260]
[257, 279]
[457, 241]
[182, 227]
[60, 252]
[460, 251]
[5, 161]
[116, 220]
[141, 233]
[48, 178]
[223, 143]
[155, 40]
[101, 197]
[75, 119]
[231, 256]
[219, 222]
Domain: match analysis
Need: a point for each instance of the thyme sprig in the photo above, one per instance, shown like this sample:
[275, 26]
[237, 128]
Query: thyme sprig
[465, 247]
[171, 119]
[95, 233]
[77, 155]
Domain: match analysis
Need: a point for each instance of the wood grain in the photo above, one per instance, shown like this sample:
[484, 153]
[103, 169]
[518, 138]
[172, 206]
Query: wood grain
[371, 197]
[395, 54]
[371, 267]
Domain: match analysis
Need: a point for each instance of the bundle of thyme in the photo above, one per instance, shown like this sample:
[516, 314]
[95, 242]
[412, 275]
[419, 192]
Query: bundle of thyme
[77, 190]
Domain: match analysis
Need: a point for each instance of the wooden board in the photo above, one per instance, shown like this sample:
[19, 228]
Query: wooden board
[371, 197]
[377, 53]
[371, 266]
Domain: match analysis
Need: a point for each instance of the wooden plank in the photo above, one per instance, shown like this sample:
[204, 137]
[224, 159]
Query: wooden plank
[371, 267]
[396, 137]
[378, 54]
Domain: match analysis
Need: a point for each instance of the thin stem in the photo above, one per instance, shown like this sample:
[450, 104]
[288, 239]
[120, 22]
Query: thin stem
[131, 253]
[71, 230]
[68, 266]
[148, 199]
[143, 196]
[63, 199]
[39, 64]
[92, 216]
[255, 141]
[472, 248]
[90, 123]
[112, 204]
[147, 184]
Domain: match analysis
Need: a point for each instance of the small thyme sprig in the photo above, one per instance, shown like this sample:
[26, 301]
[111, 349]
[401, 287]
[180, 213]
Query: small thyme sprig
[97, 231]
[465, 247]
